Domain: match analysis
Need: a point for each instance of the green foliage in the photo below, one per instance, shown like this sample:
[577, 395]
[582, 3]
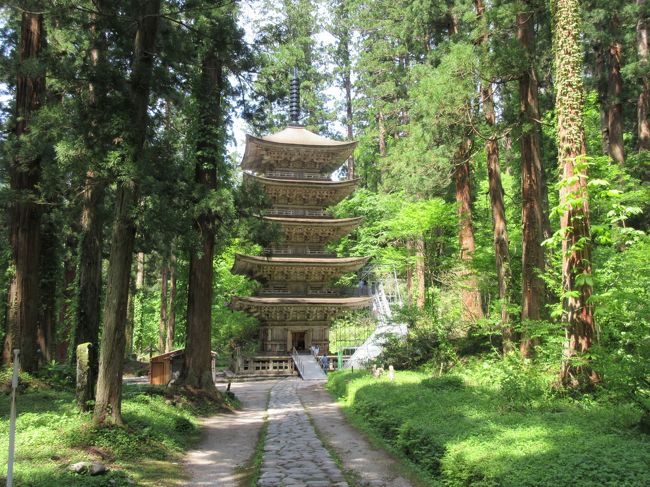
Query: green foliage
[350, 330]
[461, 430]
[426, 346]
[52, 434]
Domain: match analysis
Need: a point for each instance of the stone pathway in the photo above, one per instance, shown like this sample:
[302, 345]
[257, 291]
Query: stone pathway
[293, 454]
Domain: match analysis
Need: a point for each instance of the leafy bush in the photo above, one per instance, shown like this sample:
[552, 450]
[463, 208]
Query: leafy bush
[469, 428]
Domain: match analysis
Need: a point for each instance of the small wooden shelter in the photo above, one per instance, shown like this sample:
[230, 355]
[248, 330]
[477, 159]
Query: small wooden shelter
[163, 368]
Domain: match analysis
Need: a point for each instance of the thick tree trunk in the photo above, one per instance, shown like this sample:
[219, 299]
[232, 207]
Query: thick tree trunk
[615, 105]
[643, 103]
[471, 296]
[24, 211]
[532, 186]
[92, 213]
[162, 324]
[171, 319]
[501, 247]
[90, 270]
[197, 360]
[419, 272]
[574, 222]
[108, 403]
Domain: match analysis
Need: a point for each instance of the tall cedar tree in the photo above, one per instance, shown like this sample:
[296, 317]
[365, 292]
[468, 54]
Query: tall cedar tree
[615, 92]
[643, 103]
[197, 360]
[574, 221]
[471, 296]
[24, 211]
[91, 238]
[500, 230]
[532, 187]
[108, 403]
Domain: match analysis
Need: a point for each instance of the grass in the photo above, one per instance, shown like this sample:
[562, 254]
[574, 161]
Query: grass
[471, 429]
[52, 434]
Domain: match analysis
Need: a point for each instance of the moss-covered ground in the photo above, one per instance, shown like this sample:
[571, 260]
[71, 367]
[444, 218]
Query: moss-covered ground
[475, 428]
[52, 434]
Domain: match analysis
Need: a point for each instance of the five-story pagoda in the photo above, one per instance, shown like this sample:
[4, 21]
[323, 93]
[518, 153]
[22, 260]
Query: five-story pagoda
[297, 301]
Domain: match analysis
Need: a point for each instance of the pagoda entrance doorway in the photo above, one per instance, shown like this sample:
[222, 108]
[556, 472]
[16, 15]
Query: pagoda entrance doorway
[298, 340]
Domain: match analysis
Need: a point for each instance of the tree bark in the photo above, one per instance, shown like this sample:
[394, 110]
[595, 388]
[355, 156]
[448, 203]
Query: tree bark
[600, 72]
[24, 211]
[162, 324]
[615, 105]
[382, 134]
[108, 404]
[574, 222]
[499, 225]
[643, 103]
[171, 319]
[197, 360]
[134, 296]
[419, 272]
[92, 213]
[532, 185]
[471, 296]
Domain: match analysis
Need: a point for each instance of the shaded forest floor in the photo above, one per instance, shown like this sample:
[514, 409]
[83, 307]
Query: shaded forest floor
[52, 434]
[470, 429]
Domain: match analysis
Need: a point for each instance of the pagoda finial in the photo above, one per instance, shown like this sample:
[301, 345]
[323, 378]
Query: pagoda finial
[294, 99]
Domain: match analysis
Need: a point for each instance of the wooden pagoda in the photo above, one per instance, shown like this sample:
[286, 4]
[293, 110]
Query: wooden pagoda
[297, 300]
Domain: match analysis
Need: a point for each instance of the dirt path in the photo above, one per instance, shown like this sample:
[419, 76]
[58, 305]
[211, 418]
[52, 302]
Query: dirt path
[229, 439]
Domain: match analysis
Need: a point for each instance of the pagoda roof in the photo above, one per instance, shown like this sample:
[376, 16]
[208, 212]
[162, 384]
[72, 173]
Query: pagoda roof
[304, 191]
[309, 269]
[298, 308]
[314, 230]
[295, 147]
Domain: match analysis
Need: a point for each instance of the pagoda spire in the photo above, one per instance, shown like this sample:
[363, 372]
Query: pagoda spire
[294, 99]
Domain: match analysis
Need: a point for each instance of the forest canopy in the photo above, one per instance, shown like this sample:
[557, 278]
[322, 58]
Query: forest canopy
[502, 161]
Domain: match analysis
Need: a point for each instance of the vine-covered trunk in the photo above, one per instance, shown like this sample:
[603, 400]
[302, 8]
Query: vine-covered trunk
[108, 403]
[409, 272]
[643, 103]
[532, 186]
[470, 295]
[197, 360]
[574, 222]
[24, 210]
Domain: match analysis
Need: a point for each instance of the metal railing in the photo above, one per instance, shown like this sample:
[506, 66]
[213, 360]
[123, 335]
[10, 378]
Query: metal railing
[297, 359]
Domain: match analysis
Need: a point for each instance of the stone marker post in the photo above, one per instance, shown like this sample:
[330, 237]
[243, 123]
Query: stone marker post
[85, 378]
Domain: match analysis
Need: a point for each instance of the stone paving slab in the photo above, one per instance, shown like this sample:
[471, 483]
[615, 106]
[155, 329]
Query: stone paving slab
[293, 455]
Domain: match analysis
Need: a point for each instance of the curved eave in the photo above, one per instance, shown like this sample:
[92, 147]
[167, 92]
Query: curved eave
[262, 155]
[303, 183]
[317, 222]
[256, 266]
[254, 301]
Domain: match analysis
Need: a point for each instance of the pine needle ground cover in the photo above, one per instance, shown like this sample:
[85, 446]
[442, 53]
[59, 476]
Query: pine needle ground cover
[52, 434]
[470, 429]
